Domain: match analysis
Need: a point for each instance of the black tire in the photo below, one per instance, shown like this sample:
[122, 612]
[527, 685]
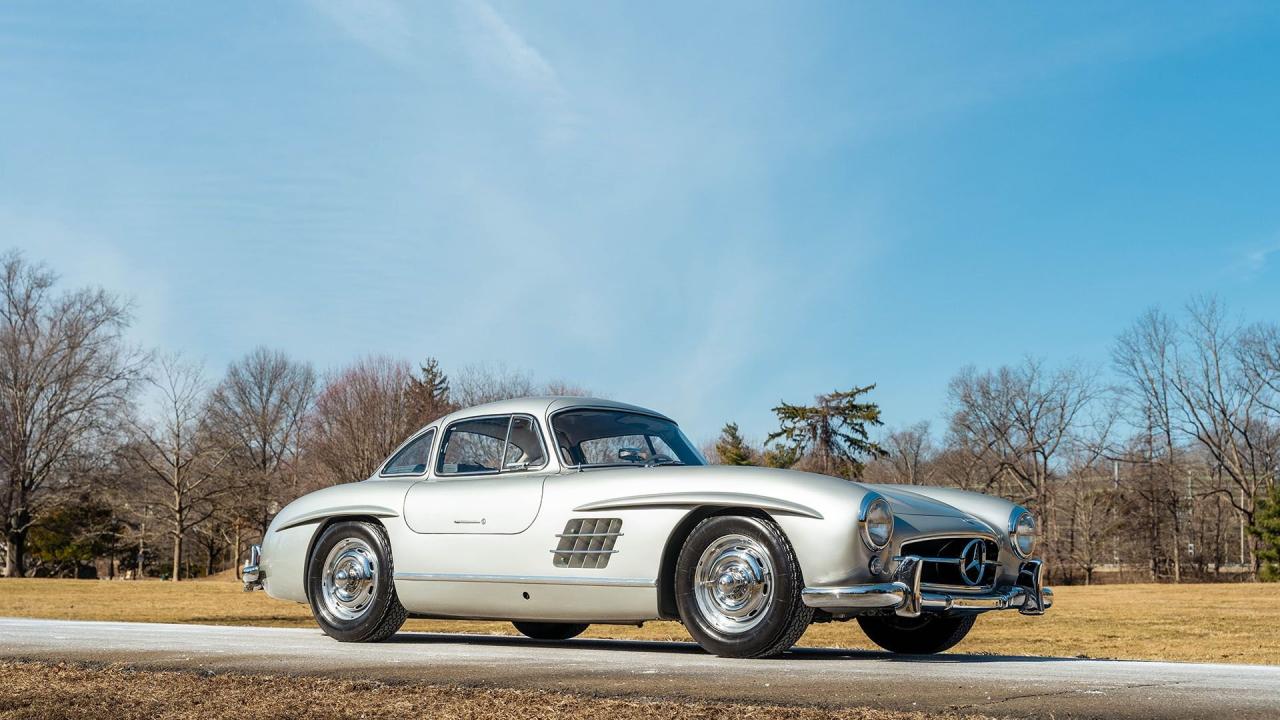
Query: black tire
[782, 617]
[925, 635]
[550, 630]
[382, 614]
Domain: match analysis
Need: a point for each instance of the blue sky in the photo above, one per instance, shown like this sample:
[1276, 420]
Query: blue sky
[703, 209]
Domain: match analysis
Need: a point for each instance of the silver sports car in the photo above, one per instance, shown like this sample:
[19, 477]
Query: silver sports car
[555, 513]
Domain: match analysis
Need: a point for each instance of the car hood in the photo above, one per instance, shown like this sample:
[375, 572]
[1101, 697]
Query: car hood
[904, 502]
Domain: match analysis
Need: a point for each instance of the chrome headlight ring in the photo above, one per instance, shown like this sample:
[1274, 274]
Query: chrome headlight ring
[1023, 532]
[876, 519]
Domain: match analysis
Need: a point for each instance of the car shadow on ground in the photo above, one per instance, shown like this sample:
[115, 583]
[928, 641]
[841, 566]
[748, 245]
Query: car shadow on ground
[689, 648]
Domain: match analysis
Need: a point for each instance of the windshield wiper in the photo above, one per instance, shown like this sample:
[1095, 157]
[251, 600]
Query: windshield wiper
[663, 462]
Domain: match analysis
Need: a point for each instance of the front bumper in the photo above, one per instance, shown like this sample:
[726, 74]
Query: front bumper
[904, 596]
[252, 574]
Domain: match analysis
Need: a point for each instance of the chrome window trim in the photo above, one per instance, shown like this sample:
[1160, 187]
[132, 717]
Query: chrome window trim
[528, 579]
[551, 430]
[438, 469]
[430, 453]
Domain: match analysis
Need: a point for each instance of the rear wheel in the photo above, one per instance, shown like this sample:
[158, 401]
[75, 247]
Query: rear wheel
[738, 588]
[924, 635]
[349, 583]
[550, 630]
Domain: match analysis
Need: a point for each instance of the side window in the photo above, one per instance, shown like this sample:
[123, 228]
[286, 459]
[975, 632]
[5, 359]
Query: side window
[488, 445]
[473, 446]
[524, 446]
[413, 459]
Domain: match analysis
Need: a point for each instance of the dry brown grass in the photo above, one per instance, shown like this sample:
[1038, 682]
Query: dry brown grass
[30, 691]
[1205, 623]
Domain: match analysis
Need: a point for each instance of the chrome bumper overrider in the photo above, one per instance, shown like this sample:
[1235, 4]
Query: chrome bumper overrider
[904, 597]
[251, 575]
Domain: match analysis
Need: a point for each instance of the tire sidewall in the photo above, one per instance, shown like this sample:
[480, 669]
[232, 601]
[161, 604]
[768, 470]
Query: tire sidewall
[366, 625]
[786, 591]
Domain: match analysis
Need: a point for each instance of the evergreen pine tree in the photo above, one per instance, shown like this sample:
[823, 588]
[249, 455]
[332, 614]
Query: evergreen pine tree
[781, 456]
[427, 394]
[831, 435]
[1266, 527]
[732, 449]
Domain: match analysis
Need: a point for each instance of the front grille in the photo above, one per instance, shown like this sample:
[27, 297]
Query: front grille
[941, 558]
[587, 543]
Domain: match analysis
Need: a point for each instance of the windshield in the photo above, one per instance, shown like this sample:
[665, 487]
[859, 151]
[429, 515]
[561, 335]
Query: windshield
[601, 438]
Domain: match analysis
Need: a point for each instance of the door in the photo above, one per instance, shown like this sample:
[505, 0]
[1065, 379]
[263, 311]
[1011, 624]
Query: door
[487, 479]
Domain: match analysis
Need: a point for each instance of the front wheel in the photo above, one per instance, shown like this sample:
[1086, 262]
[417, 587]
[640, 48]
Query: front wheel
[550, 630]
[738, 588]
[924, 635]
[349, 583]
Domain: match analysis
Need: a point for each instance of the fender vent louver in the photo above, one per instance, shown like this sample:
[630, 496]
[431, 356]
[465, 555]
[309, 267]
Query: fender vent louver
[587, 543]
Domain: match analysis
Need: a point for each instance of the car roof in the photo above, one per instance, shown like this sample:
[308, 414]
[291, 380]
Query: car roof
[541, 406]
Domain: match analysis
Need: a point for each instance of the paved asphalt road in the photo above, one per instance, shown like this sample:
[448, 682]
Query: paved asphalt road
[1014, 686]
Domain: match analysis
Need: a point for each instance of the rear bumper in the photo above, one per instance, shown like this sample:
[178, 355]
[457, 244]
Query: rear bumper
[905, 597]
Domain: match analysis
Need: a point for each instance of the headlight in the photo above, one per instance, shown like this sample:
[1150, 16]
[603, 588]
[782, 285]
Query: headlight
[1023, 532]
[877, 522]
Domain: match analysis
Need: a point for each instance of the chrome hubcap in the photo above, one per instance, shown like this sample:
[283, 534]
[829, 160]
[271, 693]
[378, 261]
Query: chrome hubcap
[733, 584]
[350, 581]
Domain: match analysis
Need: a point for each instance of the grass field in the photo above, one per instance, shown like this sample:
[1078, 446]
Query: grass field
[1207, 623]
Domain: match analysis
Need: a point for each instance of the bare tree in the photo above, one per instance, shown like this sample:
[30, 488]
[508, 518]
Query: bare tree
[66, 374]
[567, 389]
[1018, 422]
[360, 417]
[257, 416]
[483, 383]
[1145, 356]
[911, 454]
[1220, 405]
[1259, 355]
[1091, 519]
[174, 455]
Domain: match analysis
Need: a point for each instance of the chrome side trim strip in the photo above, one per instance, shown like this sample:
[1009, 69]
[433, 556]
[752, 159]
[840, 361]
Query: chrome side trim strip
[693, 499]
[529, 579]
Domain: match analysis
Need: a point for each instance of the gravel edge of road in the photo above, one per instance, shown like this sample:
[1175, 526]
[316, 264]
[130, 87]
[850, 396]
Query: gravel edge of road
[37, 689]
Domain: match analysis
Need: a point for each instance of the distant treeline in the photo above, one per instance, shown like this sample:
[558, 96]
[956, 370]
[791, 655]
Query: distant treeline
[117, 460]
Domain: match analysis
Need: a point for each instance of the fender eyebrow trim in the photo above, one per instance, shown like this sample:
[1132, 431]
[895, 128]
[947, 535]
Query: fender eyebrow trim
[691, 499]
[318, 515]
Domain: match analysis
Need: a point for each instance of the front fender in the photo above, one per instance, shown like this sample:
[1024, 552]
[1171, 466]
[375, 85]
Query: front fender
[287, 544]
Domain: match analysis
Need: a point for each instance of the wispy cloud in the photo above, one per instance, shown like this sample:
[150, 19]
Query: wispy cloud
[499, 55]
[1256, 260]
[379, 25]
[503, 56]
